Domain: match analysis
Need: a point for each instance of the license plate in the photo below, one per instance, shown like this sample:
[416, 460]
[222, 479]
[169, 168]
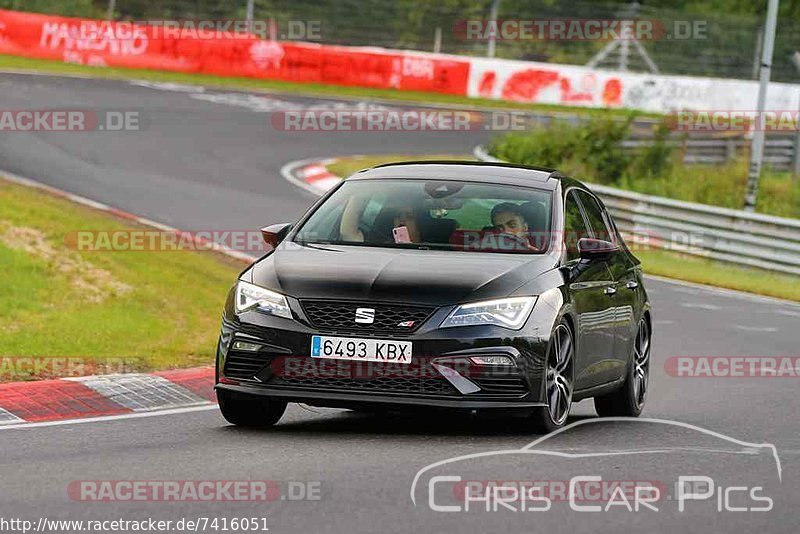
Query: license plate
[360, 349]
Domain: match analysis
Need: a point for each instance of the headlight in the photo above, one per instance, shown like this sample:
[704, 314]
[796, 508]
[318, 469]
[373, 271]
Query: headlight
[508, 313]
[253, 297]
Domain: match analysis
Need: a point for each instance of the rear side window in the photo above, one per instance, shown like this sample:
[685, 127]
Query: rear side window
[574, 226]
[597, 219]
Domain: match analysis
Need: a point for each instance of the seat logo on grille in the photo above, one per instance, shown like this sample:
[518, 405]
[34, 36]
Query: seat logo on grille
[365, 315]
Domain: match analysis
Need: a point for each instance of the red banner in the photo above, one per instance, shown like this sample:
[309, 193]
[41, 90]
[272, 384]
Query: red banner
[121, 44]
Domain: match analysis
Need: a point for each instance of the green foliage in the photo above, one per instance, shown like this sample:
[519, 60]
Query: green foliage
[656, 159]
[594, 146]
[70, 8]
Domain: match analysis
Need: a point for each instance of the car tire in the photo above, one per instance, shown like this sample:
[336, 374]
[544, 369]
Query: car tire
[559, 376]
[250, 410]
[629, 400]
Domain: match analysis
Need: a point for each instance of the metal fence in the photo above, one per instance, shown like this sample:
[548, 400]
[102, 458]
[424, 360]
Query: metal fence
[728, 46]
[781, 151]
[723, 234]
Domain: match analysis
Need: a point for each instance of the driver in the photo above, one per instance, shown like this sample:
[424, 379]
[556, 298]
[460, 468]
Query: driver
[508, 218]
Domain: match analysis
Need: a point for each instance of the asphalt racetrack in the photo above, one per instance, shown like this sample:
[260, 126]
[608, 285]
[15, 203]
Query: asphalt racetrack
[210, 159]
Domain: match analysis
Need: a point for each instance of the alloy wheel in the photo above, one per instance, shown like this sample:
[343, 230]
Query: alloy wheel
[641, 362]
[559, 374]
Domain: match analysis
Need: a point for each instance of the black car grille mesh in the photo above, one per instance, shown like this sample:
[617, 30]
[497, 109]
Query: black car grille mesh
[244, 364]
[422, 386]
[340, 316]
[502, 385]
[417, 378]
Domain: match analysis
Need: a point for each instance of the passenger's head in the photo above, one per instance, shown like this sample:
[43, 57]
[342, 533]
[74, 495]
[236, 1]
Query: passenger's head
[509, 219]
[405, 215]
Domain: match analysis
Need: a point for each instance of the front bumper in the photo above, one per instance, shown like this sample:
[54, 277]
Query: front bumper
[351, 399]
[282, 367]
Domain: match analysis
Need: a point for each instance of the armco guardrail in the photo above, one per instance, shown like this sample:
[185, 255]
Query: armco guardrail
[781, 151]
[734, 236]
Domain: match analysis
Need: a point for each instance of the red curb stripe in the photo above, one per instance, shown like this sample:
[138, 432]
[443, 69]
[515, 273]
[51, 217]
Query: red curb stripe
[53, 400]
[122, 214]
[199, 381]
[318, 176]
[314, 169]
[313, 173]
[321, 177]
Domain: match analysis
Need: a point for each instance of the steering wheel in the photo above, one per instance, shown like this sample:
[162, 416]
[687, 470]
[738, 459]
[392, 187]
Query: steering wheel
[507, 241]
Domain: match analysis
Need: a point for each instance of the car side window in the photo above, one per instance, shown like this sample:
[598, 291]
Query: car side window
[597, 219]
[574, 226]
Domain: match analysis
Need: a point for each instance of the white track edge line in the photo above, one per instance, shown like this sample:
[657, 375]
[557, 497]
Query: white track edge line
[106, 418]
[288, 170]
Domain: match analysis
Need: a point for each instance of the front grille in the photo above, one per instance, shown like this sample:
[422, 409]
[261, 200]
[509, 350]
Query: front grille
[340, 316]
[361, 376]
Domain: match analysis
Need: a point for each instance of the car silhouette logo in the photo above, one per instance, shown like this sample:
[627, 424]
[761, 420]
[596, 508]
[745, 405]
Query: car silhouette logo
[365, 315]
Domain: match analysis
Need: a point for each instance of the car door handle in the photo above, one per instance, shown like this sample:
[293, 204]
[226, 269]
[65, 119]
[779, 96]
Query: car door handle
[632, 284]
[610, 290]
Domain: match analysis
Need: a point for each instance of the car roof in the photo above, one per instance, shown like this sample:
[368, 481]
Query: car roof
[467, 171]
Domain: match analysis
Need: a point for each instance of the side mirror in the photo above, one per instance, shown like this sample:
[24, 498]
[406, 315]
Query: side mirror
[275, 233]
[594, 249]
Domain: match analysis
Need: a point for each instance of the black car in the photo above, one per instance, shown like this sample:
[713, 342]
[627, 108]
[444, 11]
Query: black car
[469, 286]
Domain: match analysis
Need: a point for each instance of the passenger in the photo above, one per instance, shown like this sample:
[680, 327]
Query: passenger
[405, 216]
[383, 229]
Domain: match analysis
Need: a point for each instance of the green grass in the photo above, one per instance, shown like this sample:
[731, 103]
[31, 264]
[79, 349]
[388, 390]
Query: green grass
[278, 86]
[658, 262]
[722, 185]
[150, 310]
[714, 273]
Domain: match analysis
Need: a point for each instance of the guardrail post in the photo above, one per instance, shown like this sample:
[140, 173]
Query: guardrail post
[796, 156]
[730, 149]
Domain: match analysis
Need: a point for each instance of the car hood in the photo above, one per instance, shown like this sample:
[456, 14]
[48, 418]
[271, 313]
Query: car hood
[394, 275]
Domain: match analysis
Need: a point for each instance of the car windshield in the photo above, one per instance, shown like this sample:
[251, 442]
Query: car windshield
[444, 215]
